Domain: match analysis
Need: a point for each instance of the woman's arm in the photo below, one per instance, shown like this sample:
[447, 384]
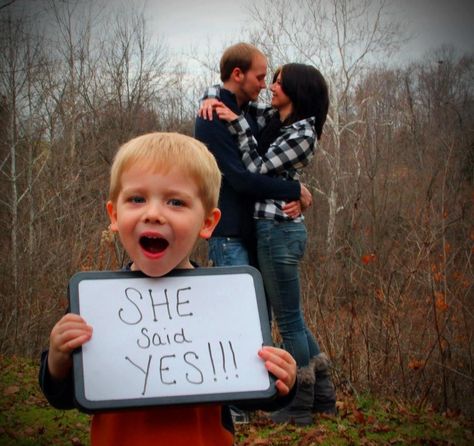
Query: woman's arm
[224, 147]
[293, 150]
[210, 100]
[261, 112]
[293, 208]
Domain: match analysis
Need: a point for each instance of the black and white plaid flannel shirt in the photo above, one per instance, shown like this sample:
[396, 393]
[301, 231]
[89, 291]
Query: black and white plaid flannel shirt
[285, 157]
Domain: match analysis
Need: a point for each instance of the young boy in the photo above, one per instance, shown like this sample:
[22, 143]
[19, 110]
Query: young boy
[163, 194]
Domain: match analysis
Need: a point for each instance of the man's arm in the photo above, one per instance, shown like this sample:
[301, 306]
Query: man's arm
[220, 142]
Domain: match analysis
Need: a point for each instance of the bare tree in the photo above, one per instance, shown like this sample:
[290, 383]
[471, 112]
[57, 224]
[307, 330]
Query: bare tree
[133, 74]
[393, 169]
[8, 3]
[341, 38]
[61, 123]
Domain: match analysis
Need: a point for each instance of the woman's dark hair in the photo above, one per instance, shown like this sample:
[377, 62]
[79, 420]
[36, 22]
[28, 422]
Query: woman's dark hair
[308, 92]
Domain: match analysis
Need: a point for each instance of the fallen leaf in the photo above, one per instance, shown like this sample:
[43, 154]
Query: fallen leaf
[381, 428]
[260, 442]
[312, 438]
[11, 390]
[359, 417]
[341, 428]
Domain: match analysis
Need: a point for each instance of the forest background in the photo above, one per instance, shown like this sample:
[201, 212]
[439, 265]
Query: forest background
[387, 277]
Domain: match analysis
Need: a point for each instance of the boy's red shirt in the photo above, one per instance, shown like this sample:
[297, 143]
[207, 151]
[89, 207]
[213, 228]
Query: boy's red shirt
[161, 426]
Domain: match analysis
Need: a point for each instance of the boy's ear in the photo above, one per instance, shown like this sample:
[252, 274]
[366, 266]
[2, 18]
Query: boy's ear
[112, 215]
[210, 223]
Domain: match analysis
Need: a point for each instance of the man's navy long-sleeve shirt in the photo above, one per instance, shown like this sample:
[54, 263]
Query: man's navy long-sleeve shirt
[240, 188]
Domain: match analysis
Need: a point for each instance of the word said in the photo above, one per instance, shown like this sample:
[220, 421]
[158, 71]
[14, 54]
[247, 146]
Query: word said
[158, 339]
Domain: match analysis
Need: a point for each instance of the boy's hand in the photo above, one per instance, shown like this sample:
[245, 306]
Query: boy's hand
[68, 334]
[282, 365]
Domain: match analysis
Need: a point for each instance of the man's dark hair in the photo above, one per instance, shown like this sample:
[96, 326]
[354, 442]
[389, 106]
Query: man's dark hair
[240, 56]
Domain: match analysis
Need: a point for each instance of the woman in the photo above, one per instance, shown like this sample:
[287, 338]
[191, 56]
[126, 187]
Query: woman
[286, 143]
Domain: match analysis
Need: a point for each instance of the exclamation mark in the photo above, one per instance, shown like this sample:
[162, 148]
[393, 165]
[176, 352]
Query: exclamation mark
[223, 359]
[212, 360]
[233, 359]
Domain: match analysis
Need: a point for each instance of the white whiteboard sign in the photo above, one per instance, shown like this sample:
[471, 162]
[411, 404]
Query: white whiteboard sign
[191, 336]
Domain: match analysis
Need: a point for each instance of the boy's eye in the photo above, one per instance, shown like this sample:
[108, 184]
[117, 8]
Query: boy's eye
[176, 202]
[137, 199]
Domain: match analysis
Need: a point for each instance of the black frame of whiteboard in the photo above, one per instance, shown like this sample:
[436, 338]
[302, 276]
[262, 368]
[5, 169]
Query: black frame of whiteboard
[250, 397]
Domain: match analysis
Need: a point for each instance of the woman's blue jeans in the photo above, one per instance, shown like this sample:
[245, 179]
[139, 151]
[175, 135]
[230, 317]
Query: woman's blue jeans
[280, 247]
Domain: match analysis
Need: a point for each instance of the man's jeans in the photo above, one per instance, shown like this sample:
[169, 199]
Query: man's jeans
[281, 246]
[227, 251]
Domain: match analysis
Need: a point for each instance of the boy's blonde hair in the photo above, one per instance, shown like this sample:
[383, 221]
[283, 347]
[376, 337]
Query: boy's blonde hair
[162, 151]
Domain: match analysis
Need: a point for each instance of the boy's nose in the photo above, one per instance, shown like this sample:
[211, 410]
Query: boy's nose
[154, 214]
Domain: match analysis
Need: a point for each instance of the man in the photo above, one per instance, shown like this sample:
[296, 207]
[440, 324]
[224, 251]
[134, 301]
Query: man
[243, 69]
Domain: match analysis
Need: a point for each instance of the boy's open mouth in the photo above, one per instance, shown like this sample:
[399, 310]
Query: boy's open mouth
[153, 245]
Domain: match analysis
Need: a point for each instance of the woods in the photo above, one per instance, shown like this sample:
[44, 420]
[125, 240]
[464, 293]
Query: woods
[388, 276]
